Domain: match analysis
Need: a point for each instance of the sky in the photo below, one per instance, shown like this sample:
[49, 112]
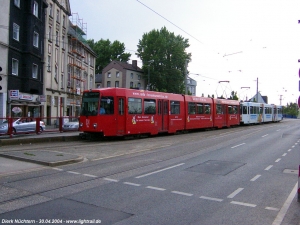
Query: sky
[236, 45]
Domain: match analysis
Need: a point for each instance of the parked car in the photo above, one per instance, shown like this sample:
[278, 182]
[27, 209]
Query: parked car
[72, 125]
[22, 125]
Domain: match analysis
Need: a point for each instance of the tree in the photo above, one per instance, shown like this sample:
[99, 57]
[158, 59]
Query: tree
[167, 71]
[107, 52]
[234, 96]
[291, 110]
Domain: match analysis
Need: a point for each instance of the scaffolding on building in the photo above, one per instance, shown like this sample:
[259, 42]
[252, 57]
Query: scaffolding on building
[78, 32]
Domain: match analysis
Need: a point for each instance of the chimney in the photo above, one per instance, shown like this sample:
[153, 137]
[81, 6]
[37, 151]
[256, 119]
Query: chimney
[134, 64]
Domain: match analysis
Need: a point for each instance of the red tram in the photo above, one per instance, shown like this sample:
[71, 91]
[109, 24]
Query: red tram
[123, 112]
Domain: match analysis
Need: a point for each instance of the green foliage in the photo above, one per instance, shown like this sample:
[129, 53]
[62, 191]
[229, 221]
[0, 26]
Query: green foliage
[167, 72]
[291, 109]
[234, 96]
[107, 52]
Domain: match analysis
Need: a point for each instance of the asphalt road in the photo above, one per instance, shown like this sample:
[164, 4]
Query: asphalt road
[244, 175]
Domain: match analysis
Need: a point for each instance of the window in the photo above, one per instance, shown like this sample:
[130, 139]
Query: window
[55, 73]
[191, 108]
[91, 81]
[50, 10]
[117, 74]
[175, 107]
[35, 39]
[131, 84]
[16, 31]
[62, 62]
[149, 106]
[108, 84]
[64, 21]
[56, 38]
[63, 42]
[15, 67]
[116, 83]
[49, 63]
[139, 77]
[108, 75]
[121, 106]
[245, 110]
[199, 108]
[62, 81]
[134, 105]
[131, 75]
[17, 3]
[85, 83]
[35, 9]
[50, 34]
[107, 104]
[34, 71]
[219, 109]
[57, 15]
[207, 109]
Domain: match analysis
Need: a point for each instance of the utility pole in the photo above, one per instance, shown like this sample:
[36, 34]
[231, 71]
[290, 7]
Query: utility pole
[257, 89]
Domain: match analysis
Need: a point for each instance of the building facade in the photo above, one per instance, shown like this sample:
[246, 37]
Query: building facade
[69, 62]
[23, 72]
[123, 75]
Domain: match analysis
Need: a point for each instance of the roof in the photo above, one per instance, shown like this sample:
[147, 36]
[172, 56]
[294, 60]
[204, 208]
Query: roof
[128, 66]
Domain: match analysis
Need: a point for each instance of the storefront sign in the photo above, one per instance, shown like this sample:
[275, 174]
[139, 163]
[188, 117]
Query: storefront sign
[26, 97]
[16, 110]
[41, 98]
[14, 94]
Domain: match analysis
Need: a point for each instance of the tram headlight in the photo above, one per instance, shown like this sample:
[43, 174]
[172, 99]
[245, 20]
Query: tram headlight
[81, 124]
[95, 125]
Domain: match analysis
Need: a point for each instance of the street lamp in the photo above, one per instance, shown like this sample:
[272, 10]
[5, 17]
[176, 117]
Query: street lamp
[151, 61]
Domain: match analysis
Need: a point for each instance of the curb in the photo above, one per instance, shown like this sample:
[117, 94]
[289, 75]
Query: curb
[18, 141]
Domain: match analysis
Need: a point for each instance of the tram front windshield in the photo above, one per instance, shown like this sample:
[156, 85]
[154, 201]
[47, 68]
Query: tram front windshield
[90, 101]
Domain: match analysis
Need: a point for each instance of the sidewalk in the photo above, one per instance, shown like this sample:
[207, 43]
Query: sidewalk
[41, 157]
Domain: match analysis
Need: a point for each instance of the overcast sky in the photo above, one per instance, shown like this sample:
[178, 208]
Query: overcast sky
[230, 40]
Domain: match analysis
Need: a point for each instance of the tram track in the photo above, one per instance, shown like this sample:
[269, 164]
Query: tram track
[117, 160]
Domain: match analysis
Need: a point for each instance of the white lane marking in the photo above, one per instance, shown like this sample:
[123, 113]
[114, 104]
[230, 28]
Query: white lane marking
[293, 146]
[73, 172]
[58, 169]
[212, 199]
[278, 130]
[284, 154]
[156, 188]
[89, 175]
[271, 208]
[279, 218]
[182, 193]
[243, 204]
[265, 135]
[296, 143]
[255, 178]
[233, 194]
[109, 179]
[269, 167]
[277, 160]
[289, 150]
[158, 171]
[238, 145]
[132, 184]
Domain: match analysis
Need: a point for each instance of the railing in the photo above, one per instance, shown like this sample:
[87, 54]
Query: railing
[35, 125]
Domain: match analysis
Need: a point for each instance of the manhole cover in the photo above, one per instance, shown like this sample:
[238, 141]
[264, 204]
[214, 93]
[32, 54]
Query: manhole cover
[216, 167]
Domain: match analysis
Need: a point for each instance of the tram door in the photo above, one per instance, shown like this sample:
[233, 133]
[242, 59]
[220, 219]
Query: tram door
[163, 114]
[120, 119]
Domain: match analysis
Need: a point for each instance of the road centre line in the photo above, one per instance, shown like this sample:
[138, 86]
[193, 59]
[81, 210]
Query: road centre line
[255, 178]
[277, 160]
[265, 135]
[73, 172]
[89, 175]
[156, 188]
[279, 218]
[238, 145]
[109, 179]
[211, 199]
[289, 150]
[58, 169]
[271, 208]
[182, 193]
[158, 171]
[243, 204]
[284, 154]
[132, 184]
[269, 167]
[233, 194]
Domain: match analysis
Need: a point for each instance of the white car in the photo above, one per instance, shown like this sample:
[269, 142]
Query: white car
[72, 125]
[22, 125]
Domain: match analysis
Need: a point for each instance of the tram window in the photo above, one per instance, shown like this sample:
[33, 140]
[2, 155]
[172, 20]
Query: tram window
[175, 107]
[191, 108]
[134, 106]
[219, 109]
[199, 108]
[159, 107]
[107, 103]
[121, 106]
[165, 108]
[251, 110]
[90, 103]
[245, 111]
[149, 106]
[234, 109]
[260, 110]
[207, 109]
